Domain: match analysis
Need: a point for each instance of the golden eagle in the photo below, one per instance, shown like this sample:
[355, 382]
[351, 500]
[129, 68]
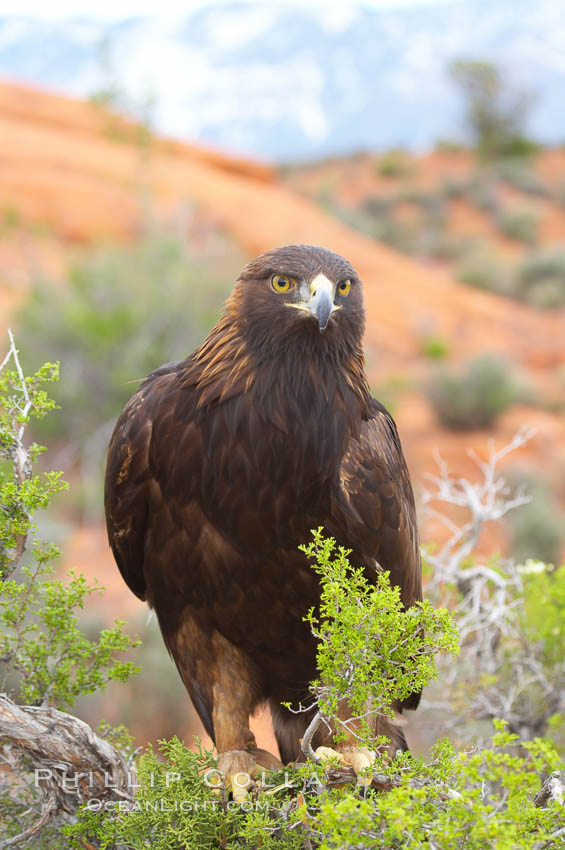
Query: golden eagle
[219, 467]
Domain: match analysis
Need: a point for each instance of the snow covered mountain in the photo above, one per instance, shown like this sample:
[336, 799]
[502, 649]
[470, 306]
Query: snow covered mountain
[282, 82]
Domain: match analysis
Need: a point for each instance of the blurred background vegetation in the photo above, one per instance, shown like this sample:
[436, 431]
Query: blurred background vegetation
[121, 311]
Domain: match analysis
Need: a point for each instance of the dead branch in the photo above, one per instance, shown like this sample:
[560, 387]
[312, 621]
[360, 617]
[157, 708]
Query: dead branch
[16, 451]
[66, 761]
[489, 602]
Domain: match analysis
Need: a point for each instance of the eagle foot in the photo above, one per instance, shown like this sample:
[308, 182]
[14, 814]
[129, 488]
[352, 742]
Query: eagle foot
[238, 768]
[359, 758]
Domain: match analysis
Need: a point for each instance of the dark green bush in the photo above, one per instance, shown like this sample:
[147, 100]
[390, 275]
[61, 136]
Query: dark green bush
[474, 397]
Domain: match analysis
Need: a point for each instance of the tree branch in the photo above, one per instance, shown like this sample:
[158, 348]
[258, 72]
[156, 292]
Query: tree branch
[70, 763]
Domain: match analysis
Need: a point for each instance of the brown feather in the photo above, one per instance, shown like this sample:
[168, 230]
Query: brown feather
[219, 467]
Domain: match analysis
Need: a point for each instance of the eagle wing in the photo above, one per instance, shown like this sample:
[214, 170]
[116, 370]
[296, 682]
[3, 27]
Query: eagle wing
[128, 478]
[378, 508]
[376, 488]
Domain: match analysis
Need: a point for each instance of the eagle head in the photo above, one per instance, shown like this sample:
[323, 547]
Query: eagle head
[296, 312]
[302, 289]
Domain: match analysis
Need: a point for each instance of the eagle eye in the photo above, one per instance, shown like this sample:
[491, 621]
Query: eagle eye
[282, 283]
[343, 287]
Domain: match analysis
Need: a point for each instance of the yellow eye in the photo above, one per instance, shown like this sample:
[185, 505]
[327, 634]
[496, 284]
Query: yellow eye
[344, 287]
[282, 283]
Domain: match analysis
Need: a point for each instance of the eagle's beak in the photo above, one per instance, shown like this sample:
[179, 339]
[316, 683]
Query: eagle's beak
[321, 303]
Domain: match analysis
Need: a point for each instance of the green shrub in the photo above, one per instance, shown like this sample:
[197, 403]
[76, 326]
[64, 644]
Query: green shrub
[400, 235]
[510, 664]
[483, 193]
[541, 278]
[435, 347]
[449, 146]
[371, 651]
[395, 163]
[519, 224]
[391, 389]
[455, 187]
[11, 218]
[325, 194]
[520, 146]
[437, 243]
[521, 177]
[166, 705]
[45, 658]
[43, 653]
[544, 614]
[426, 237]
[496, 110]
[475, 397]
[358, 219]
[484, 798]
[367, 642]
[537, 528]
[414, 195]
[122, 312]
[547, 294]
[434, 209]
[559, 194]
[484, 270]
[378, 205]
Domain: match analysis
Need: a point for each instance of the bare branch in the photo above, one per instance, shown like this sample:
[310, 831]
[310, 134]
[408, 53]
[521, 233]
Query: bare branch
[27, 407]
[64, 759]
[48, 810]
[489, 604]
[17, 452]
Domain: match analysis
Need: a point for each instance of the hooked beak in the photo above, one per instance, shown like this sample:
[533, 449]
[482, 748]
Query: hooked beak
[321, 304]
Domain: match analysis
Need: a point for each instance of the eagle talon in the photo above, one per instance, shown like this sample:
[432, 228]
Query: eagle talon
[359, 758]
[238, 767]
[326, 754]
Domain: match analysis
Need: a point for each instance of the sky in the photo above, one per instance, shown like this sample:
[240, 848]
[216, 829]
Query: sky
[118, 9]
